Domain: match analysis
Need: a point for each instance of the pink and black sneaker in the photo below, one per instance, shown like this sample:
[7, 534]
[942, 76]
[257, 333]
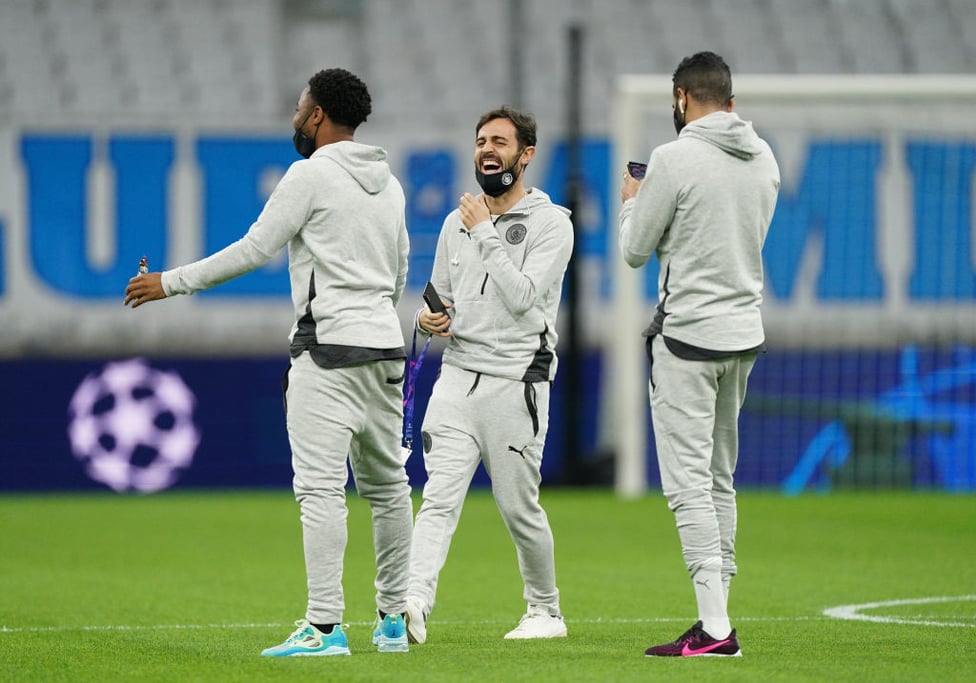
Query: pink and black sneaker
[696, 643]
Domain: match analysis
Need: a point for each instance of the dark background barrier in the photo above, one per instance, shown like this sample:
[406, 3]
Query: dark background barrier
[870, 419]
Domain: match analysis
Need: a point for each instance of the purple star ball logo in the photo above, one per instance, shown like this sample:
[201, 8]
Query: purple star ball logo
[132, 426]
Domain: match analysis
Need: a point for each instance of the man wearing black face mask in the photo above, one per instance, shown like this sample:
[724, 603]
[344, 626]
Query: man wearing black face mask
[341, 212]
[704, 207]
[499, 268]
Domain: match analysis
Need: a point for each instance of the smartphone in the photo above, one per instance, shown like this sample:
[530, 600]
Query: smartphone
[636, 169]
[433, 301]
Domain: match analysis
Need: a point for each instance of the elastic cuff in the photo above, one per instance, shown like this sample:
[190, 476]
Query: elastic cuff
[482, 229]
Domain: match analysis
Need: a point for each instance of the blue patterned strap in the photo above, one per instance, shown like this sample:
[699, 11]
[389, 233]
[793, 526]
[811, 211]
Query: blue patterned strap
[413, 370]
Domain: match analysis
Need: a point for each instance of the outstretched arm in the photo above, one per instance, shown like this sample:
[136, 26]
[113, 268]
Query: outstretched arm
[283, 216]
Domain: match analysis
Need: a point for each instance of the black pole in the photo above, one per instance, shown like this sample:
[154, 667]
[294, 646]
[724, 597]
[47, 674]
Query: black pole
[572, 368]
[516, 36]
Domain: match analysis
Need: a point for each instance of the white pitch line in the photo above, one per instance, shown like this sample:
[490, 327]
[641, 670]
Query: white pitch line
[131, 627]
[450, 622]
[853, 612]
[841, 612]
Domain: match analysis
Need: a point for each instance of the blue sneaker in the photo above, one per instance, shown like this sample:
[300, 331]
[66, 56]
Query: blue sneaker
[390, 634]
[308, 641]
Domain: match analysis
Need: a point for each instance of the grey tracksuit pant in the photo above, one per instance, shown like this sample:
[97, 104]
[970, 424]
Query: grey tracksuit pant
[355, 411]
[474, 418]
[695, 411]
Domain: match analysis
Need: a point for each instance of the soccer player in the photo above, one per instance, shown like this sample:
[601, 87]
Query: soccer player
[499, 267]
[341, 213]
[704, 206]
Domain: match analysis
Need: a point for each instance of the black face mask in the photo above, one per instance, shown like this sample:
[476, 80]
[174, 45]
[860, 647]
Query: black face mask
[304, 145]
[497, 184]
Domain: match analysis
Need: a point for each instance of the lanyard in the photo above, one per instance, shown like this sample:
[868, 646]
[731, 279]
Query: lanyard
[413, 370]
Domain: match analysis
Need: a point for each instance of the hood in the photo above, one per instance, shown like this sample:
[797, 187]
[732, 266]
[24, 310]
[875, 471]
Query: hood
[726, 131]
[534, 199]
[365, 163]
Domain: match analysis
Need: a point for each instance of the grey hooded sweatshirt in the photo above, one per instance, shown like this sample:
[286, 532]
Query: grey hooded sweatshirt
[504, 279]
[341, 213]
[704, 207]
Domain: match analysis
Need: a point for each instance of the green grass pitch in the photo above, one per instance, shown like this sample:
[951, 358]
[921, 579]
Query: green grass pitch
[191, 586]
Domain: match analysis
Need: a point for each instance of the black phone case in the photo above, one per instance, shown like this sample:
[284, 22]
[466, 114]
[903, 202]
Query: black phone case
[434, 302]
[636, 169]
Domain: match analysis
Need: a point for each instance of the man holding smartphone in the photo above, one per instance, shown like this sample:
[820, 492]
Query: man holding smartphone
[704, 207]
[499, 269]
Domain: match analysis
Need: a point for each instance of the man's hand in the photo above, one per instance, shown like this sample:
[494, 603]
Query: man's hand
[437, 324]
[143, 288]
[474, 210]
[629, 188]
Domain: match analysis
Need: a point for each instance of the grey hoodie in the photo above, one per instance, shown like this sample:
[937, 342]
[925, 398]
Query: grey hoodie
[704, 207]
[341, 213]
[505, 281]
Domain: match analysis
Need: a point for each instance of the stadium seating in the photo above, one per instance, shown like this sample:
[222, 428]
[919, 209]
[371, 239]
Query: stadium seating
[427, 60]
[157, 58]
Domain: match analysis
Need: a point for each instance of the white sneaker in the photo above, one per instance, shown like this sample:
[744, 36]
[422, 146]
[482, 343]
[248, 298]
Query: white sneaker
[538, 623]
[416, 621]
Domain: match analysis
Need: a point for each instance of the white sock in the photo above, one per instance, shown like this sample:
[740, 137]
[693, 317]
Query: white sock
[711, 595]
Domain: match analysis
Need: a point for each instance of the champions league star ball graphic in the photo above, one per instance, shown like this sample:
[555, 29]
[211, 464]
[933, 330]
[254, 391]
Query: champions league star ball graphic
[132, 426]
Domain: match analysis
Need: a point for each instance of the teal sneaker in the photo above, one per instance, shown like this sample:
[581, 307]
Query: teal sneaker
[390, 634]
[308, 641]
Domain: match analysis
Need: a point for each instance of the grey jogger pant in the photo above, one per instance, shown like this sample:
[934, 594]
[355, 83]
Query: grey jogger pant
[474, 418]
[355, 411]
[695, 412]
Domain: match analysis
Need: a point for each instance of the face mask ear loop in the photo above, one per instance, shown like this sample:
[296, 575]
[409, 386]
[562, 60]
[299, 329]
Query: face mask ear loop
[307, 117]
[514, 163]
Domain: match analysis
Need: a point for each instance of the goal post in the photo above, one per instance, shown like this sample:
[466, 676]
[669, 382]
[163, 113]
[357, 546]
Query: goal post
[625, 392]
[895, 116]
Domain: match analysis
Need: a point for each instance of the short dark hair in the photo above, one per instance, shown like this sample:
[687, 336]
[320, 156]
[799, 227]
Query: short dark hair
[342, 96]
[524, 123]
[706, 76]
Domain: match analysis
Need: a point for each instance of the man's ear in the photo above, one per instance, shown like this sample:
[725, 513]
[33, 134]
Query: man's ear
[527, 154]
[317, 114]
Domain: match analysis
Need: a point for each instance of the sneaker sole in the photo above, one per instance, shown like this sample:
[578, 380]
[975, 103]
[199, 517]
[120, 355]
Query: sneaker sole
[706, 654]
[509, 636]
[328, 652]
[392, 647]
